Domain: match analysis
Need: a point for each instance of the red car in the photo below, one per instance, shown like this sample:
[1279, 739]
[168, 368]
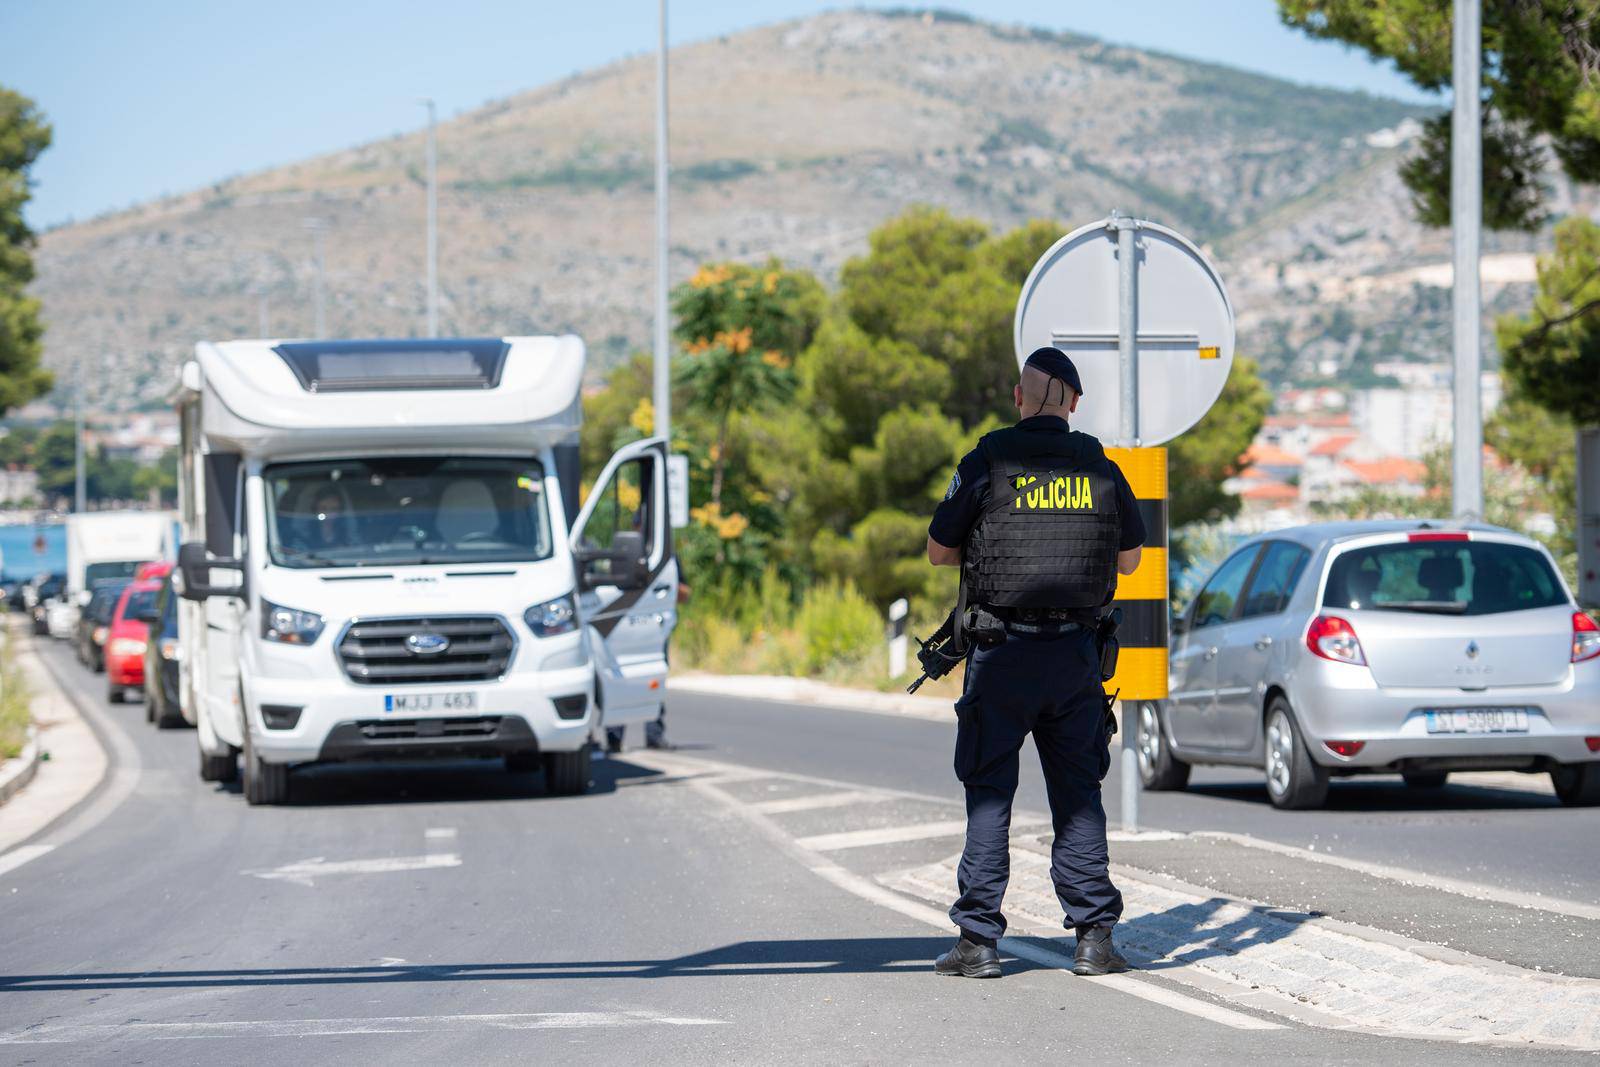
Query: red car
[130, 630]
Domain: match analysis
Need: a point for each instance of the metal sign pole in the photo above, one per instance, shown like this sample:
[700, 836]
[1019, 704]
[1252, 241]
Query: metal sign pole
[1466, 220]
[1128, 368]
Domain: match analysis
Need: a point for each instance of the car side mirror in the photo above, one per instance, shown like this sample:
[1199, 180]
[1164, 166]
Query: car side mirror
[194, 578]
[622, 565]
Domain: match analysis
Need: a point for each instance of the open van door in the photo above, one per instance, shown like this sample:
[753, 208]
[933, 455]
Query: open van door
[627, 581]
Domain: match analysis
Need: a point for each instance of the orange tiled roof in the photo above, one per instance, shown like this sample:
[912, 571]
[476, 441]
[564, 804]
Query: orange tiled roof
[1271, 493]
[1334, 445]
[1269, 455]
[1388, 471]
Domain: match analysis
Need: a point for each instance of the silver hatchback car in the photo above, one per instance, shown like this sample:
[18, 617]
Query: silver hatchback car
[1406, 647]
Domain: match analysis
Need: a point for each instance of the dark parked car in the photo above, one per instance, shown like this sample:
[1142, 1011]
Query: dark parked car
[94, 623]
[161, 662]
[37, 595]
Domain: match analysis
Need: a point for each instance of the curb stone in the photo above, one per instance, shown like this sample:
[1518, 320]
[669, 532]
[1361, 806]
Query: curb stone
[18, 772]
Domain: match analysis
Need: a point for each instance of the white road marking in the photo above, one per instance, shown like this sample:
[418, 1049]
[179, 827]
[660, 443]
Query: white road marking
[394, 1024]
[888, 835]
[18, 856]
[440, 833]
[303, 872]
[874, 893]
[818, 801]
[1470, 890]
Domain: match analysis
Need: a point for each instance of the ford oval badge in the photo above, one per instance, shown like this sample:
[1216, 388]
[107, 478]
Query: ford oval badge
[426, 644]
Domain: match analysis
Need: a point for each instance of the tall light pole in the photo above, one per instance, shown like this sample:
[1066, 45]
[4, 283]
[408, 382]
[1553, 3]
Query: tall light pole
[662, 392]
[433, 222]
[78, 494]
[318, 300]
[1466, 220]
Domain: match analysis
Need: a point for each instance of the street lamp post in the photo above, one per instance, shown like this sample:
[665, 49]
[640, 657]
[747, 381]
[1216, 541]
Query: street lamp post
[662, 391]
[1466, 221]
[433, 221]
[78, 493]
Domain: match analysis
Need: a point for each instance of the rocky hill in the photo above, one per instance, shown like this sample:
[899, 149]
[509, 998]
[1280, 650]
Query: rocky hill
[791, 140]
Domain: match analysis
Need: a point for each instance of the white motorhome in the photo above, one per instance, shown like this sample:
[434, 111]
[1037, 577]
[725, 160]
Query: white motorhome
[102, 546]
[378, 559]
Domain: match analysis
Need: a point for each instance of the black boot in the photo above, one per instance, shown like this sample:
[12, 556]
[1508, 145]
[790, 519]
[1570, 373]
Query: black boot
[969, 960]
[1096, 954]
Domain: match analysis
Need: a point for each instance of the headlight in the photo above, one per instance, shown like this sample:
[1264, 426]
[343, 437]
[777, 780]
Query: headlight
[170, 649]
[553, 617]
[289, 625]
[127, 646]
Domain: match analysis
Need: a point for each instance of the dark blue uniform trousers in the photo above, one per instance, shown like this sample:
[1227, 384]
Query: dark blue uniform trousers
[1049, 687]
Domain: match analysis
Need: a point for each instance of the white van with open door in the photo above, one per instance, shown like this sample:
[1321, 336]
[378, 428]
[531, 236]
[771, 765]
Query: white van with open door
[378, 561]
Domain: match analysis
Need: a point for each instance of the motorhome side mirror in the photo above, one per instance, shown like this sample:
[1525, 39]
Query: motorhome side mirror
[197, 574]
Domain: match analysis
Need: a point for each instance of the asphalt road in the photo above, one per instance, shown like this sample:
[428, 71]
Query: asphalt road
[418, 913]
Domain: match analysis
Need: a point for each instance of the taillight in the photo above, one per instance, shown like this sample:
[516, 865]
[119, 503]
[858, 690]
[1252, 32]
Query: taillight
[1344, 748]
[1334, 638]
[1585, 637]
[1438, 535]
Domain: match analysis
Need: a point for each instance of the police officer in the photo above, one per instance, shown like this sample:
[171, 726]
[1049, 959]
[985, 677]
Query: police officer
[1041, 523]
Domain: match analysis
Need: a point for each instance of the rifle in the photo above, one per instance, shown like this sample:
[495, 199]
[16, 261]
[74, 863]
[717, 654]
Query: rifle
[948, 646]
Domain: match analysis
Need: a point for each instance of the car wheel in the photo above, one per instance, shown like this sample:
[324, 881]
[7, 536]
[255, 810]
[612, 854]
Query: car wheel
[566, 774]
[1293, 779]
[1577, 784]
[522, 762]
[264, 783]
[223, 768]
[113, 694]
[1159, 769]
[149, 707]
[1426, 779]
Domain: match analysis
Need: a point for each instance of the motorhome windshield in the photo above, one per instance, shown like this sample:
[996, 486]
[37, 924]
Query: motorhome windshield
[102, 572]
[410, 510]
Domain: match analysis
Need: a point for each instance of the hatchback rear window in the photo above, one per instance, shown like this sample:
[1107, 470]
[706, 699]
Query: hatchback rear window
[1443, 577]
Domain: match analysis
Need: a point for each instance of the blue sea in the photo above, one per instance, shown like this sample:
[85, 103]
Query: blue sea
[27, 550]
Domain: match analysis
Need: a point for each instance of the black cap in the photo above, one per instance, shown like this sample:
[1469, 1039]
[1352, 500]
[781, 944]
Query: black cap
[1055, 363]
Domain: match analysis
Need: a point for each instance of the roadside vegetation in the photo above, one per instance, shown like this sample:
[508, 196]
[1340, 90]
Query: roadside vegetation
[13, 707]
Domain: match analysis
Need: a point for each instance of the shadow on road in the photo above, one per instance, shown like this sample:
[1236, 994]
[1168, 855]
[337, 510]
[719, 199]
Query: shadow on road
[1188, 931]
[435, 781]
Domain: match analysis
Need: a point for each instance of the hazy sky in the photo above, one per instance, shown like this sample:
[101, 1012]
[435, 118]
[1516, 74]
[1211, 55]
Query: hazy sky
[166, 95]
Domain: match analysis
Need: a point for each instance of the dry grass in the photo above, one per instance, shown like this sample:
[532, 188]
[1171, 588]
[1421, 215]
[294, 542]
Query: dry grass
[14, 716]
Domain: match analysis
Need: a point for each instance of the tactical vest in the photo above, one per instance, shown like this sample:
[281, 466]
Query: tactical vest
[1048, 536]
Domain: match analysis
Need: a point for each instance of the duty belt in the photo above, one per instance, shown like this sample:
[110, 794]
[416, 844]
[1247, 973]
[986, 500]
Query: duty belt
[1049, 628]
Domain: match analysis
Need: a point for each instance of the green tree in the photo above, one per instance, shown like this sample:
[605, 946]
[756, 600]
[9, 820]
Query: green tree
[1538, 83]
[1552, 354]
[24, 134]
[741, 328]
[1199, 461]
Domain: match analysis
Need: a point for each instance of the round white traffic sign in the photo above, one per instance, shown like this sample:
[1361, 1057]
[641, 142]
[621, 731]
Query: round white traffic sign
[1184, 330]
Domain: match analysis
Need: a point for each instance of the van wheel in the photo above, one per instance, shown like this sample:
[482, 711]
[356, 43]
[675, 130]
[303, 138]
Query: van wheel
[223, 768]
[264, 783]
[566, 774]
[1577, 784]
[1426, 779]
[1293, 779]
[1159, 769]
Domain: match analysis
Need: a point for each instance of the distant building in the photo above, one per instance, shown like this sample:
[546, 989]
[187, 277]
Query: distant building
[18, 486]
[1418, 415]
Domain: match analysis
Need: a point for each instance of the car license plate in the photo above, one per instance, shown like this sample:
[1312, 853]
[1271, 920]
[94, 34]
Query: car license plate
[415, 702]
[1477, 720]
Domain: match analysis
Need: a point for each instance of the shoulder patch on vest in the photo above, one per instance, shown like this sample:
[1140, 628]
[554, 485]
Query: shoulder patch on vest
[955, 483]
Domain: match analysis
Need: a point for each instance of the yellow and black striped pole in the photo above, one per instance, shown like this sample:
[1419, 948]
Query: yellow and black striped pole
[1142, 595]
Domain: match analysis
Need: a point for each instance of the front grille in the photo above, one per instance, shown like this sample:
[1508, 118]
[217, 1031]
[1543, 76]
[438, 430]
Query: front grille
[412, 729]
[374, 652]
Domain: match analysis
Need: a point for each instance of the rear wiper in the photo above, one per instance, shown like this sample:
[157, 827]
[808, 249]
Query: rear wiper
[1434, 607]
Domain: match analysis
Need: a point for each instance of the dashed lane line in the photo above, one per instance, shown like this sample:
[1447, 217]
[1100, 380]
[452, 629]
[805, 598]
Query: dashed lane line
[887, 835]
[817, 802]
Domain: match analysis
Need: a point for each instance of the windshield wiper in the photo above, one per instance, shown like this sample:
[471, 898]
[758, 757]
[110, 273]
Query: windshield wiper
[1432, 607]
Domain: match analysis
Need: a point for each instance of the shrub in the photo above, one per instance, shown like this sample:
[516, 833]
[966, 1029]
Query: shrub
[838, 624]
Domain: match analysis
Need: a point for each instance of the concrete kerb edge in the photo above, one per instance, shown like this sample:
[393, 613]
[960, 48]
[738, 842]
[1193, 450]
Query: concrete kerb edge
[790, 690]
[18, 772]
